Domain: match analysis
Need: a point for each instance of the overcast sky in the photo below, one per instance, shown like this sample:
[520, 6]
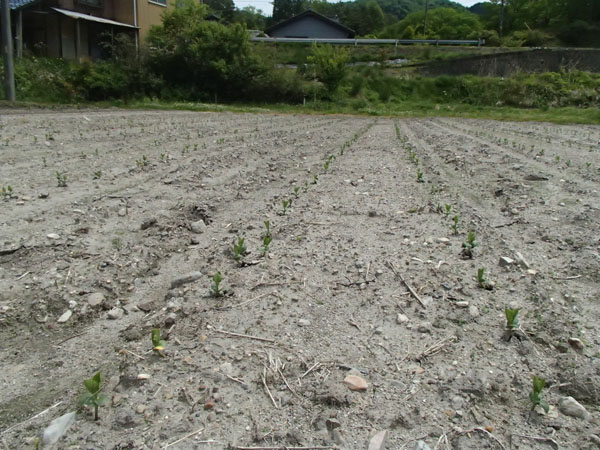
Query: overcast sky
[267, 5]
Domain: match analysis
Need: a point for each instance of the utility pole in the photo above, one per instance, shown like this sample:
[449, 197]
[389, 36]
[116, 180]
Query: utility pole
[9, 69]
[425, 20]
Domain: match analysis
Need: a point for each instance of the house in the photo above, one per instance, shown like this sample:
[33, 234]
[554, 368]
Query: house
[73, 29]
[310, 24]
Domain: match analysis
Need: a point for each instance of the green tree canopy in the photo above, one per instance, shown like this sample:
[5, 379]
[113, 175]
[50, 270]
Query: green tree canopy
[442, 23]
[284, 9]
[575, 22]
[222, 8]
[205, 58]
[252, 18]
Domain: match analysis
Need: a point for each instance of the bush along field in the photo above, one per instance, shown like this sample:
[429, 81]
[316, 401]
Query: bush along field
[235, 281]
[325, 83]
[189, 59]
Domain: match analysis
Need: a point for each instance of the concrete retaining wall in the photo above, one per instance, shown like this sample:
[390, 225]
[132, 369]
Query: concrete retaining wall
[504, 64]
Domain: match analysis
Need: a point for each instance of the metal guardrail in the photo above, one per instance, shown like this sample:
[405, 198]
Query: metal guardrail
[356, 42]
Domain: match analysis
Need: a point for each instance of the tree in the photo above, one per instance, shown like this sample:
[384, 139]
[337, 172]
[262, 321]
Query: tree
[368, 18]
[223, 8]
[252, 18]
[203, 58]
[284, 9]
[442, 23]
[329, 64]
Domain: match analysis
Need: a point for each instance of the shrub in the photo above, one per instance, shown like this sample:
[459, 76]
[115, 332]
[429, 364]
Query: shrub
[207, 58]
[101, 80]
[491, 38]
[580, 33]
[45, 80]
[329, 64]
[278, 85]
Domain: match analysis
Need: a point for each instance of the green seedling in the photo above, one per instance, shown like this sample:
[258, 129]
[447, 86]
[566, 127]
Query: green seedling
[326, 166]
[535, 396]
[6, 192]
[297, 191]
[61, 179]
[483, 281]
[215, 287]
[454, 225]
[420, 176]
[315, 179]
[286, 204]
[239, 249]
[93, 397]
[305, 188]
[141, 163]
[265, 247]
[267, 229]
[512, 322]
[468, 246]
[471, 243]
[97, 174]
[158, 345]
[447, 209]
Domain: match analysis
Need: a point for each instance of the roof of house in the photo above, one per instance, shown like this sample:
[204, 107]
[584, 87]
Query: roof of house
[310, 13]
[14, 4]
[77, 16]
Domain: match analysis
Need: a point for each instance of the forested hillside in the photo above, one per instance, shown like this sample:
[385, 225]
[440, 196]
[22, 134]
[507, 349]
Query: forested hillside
[510, 23]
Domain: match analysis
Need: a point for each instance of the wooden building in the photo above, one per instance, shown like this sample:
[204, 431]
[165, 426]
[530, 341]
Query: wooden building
[72, 29]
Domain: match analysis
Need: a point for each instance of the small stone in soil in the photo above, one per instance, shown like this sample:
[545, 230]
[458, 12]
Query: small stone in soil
[378, 441]
[198, 226]
[53, 236]
[576, 344]
[571, 407]
[304, 322]
[140, 409]
[170, 319]
[190, 277]
[96, 299]
[505, 261]
[65, 316]
[115, 313]
[355, 383]
[473, 311]
[521, 261]
[401, 318]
